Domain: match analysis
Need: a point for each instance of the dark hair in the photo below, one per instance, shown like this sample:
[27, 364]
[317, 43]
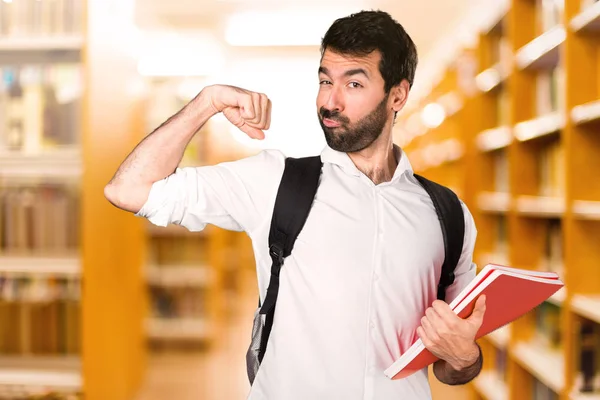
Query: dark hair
[361, 33]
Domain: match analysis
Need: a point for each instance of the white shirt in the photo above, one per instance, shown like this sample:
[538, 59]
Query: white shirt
[363, 270]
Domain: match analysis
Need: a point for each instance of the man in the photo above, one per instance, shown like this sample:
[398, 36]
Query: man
[360, 285]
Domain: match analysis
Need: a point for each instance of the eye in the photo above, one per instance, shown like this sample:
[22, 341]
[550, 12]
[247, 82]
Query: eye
[324, 82]
[355, 85]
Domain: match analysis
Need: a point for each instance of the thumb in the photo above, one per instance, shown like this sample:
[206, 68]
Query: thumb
[478, 310]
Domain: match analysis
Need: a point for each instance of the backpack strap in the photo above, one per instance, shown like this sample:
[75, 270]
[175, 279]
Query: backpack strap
[451, 216]
[294, 200]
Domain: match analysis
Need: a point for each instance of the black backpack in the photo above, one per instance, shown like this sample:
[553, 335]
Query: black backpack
[294, 200]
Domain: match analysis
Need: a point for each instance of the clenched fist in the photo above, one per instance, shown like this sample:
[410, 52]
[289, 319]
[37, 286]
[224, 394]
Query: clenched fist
[249, 111]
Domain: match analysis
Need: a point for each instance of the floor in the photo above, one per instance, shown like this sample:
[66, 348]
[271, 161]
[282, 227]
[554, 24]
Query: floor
[219, 374]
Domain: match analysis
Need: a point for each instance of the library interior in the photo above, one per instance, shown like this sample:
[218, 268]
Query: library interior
[97, 303]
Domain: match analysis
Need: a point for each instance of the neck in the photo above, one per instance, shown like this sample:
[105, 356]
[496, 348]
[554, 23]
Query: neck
[377, 161]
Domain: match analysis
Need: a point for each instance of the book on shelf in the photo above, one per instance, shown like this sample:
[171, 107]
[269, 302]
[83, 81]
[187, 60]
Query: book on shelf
[549, 14]
[510, 293]
[40, 106]
[187, 250]
[547, 324]
[550, 91]
[501, 53]
[180, 302]
[39, 316]
[551, 169]
[587, 356]
[41, 219]
[27, 18]
[501, 171]
[503, 116]
[500, 363]
[539, 391]
[553, 246]
[501, 242]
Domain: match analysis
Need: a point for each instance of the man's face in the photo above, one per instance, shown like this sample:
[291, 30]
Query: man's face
[351, 105]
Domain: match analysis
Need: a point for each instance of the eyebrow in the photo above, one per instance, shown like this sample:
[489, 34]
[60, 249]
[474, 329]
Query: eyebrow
[350, 72]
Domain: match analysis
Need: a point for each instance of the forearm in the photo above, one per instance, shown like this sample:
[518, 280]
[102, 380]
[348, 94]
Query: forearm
[449, 375]
[157, 155]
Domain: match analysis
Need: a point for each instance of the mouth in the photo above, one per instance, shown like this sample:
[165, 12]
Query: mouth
[331, 123]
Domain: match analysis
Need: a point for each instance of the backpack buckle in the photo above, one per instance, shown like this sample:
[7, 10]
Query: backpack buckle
[276, 252]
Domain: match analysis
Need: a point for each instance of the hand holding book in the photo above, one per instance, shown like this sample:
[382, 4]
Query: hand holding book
[509, 294]
[449, 337]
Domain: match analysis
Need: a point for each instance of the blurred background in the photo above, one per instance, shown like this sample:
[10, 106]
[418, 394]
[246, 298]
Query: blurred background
[98, 304]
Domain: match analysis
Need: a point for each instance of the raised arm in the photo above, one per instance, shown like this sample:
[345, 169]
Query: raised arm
[159, 153]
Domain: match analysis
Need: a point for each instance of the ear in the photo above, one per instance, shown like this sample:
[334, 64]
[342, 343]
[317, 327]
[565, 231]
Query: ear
[399, 95]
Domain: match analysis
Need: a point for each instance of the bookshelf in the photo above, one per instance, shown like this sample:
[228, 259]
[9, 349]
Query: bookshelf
[71, 302]
[532, 149]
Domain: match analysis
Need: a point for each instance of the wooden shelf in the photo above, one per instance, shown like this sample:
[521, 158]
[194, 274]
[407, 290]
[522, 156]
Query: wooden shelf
[494, 202]
[176, 276]
[539, 127]
[589, 210]
[60, 163]
[587, 306]
[584, 396]
[490, 78]
[37, 374]
[489, 385]
[500, 337]
[587, 20]
[503, 126]
[40, 266]
[540, 206]
[494, 139]
[177, 329]
[545, 364]
[492, 23]
[543, 51]
[41, 44]
[587, 112]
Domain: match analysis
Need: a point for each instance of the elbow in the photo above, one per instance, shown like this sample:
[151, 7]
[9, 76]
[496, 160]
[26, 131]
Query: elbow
[131, 199]
[111, 193]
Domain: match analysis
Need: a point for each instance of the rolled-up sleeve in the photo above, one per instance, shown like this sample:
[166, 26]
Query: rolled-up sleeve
[234, 195]
[466, 269]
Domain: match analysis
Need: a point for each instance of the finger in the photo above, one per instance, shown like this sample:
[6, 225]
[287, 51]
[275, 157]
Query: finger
[246, 107]
[252, 132]
[264, 108]
[424, 338]
[269, 109]
[445, 312]
[434, 319]
[257, 109]
[429, 329]
[479, 309]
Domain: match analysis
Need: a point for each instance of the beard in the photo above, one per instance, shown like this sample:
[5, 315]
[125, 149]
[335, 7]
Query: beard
[352, 137]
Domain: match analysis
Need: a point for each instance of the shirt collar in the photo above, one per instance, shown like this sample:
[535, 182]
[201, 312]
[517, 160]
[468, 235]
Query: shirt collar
[329, 155]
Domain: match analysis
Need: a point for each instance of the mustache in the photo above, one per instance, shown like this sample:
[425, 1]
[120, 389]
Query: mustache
[333, 115]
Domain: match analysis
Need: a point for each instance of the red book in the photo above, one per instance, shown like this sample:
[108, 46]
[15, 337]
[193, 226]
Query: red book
[510, 293]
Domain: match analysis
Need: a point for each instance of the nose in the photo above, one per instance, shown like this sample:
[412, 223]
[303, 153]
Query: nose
[334, 100]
